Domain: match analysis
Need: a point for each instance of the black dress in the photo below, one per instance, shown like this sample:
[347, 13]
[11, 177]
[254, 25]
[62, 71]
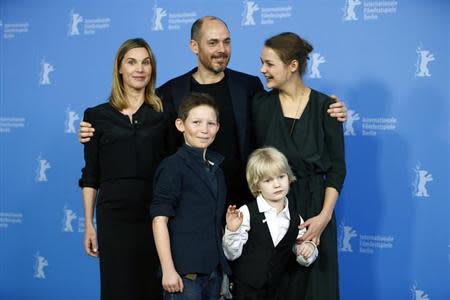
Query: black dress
[314, 147]
[121, 159]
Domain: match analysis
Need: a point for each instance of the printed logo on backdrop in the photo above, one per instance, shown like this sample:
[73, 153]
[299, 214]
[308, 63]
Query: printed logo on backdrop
[46, 69]
[424, 57]
[369, 126]
[42, 167]
[39, 264]
[71, 222]
[79, 25]
[158, 14]
[69, 216]
[254, 14]
[352, 117]
[247, 16]
[71, 117]
[346, 233]
[348, 237]
[171, 20]
[12, 30]
[418, 294]
[10, 218]
[349, 10]
[421, 179]
[371, 9]
[7, 124]
[316, 60]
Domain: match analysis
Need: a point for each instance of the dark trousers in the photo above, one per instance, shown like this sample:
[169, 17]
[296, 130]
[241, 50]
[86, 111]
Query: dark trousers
[243, 291]
[202, 287]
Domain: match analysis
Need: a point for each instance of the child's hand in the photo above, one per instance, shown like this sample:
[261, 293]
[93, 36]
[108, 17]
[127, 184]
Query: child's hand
[305, 249]
[172, 282]
[234, 218]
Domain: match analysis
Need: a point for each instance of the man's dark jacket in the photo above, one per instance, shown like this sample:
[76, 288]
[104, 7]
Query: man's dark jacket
[242, 87]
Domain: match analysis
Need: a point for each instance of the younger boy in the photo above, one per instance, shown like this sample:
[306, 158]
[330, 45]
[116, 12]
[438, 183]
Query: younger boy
[259, 237]
[188, 207]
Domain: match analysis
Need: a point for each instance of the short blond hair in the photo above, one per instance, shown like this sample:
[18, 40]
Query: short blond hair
[263, 163]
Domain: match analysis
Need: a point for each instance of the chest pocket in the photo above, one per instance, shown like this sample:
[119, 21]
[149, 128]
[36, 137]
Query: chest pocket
[110, 138]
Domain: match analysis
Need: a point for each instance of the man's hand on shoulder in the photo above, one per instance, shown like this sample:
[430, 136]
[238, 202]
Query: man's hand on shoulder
[86, 132]
[338, 109]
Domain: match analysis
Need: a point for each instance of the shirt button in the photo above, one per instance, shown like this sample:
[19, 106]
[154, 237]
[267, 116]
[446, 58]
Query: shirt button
[135, 121]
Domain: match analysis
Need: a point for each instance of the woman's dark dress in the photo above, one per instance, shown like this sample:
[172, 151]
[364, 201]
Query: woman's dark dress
[315, 152]
[121, 159]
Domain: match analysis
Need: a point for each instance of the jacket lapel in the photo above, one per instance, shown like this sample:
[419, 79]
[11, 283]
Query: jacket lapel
[197, 169]
[239, 103]
[183, 88]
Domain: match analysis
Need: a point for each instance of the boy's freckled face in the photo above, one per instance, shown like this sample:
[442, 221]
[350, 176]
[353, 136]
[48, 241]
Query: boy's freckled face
[274, 188]
[200, 127]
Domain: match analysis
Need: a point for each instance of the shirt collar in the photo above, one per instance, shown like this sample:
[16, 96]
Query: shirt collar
[263, 206]
[213, 159]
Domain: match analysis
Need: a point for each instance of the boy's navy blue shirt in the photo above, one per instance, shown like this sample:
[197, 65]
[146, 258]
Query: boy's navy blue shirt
[192, 193]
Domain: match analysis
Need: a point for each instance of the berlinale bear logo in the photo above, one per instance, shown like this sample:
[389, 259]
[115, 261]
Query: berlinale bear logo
[39, 265]
[349, 10]
[247, 16]
[317, 60]
[158, 14]
[75, 20]
[46, 69]
[424, 57]
[43, 166]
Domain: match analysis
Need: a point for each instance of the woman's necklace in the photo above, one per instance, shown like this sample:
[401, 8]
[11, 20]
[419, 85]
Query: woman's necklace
[302, 93]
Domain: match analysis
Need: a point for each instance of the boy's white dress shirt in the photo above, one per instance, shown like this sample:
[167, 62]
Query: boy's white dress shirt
[278, 223]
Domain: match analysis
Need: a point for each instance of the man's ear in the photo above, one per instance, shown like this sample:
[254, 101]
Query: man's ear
[179, 124]
[194, 46]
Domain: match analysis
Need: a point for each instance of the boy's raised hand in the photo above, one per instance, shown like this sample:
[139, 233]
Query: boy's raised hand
[234, 218]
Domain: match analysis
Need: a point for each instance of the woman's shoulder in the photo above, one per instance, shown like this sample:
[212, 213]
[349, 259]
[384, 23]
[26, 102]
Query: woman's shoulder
[99, 108]
[95, 112]
[321, 98]
[264, 99]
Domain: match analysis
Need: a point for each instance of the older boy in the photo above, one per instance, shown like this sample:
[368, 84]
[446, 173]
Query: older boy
[188, 207]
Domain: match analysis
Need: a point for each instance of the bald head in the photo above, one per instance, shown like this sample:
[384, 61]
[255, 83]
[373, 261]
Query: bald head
[196, 29]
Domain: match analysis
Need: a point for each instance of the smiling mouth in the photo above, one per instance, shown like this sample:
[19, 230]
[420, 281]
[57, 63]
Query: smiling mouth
[220, 58]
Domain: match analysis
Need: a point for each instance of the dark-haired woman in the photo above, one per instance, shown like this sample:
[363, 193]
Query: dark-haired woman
[293, 118]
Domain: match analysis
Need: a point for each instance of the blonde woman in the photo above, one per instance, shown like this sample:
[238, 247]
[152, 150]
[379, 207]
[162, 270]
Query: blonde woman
[120, 160]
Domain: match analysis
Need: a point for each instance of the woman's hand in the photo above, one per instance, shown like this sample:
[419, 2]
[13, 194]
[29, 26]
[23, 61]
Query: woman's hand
[172, 282]
[90, 241]
[314, 228]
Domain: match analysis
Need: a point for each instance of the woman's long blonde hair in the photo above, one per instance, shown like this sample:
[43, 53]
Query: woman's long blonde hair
[118, 98]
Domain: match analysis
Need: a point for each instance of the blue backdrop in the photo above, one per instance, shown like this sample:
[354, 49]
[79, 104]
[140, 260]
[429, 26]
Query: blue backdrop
[388, 60]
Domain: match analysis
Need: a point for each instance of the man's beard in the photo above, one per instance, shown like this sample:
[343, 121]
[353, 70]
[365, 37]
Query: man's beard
[215, 68]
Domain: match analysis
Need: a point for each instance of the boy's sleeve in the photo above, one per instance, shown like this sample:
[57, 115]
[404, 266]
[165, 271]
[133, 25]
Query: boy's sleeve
[166, 191]
[233, 242]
